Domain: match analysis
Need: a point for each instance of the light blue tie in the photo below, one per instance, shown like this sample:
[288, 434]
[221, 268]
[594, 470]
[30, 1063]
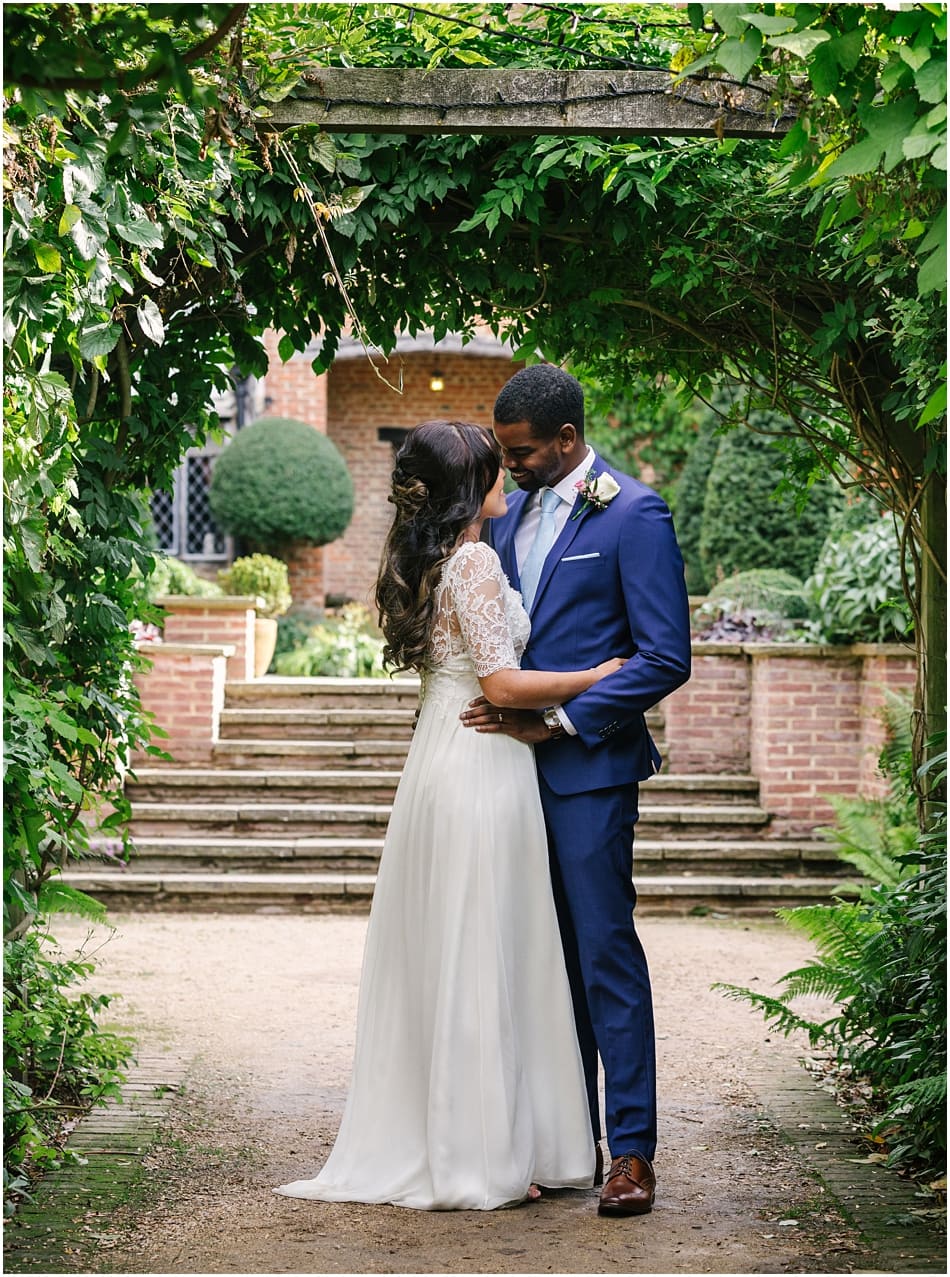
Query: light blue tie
[543, 540]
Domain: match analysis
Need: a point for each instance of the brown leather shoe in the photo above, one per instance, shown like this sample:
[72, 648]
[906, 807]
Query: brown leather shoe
[630, 1187]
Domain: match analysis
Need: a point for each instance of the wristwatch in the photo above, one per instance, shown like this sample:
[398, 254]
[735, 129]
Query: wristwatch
[552, 723]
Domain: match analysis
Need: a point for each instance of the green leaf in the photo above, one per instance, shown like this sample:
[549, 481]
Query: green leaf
[739, 56]
[802, 44]
[286, 347]
[856, 160]
[935, 406]
[931, 80]
[728, 18]
[56, 896]
[695, 13]
[86, 240]
[847, 49]
[767, 24]
[933, 273]
[823, 71]
[920, 144]
[98, 339]
[150, 321]
[552, 157]
[47, 258]
[141, 232]
[323, 151]
[71, 215]
[914, 57]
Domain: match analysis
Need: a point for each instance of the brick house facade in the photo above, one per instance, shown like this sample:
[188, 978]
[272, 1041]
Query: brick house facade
[367, 418]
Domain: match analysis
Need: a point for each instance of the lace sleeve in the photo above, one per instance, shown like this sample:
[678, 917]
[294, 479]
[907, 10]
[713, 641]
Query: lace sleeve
[476, 588]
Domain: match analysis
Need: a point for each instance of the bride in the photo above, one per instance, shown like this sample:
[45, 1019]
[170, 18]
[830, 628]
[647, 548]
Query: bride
[467, 1089]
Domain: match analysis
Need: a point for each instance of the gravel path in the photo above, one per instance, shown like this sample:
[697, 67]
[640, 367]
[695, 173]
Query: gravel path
[262, 1008]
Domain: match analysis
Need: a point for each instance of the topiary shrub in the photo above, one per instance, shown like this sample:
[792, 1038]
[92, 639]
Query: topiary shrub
[758, 604]
[745, 525]
[690, 499]
[261, 575]
[280, 481]
[855, 594]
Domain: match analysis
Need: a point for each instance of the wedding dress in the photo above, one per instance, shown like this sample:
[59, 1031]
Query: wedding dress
[467, 1083]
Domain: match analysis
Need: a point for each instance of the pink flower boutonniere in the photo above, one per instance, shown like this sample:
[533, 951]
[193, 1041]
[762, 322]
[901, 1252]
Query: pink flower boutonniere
[597, 490]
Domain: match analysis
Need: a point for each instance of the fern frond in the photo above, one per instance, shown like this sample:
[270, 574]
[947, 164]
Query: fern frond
[924, 1092]
[839, 931]
[819, 979]
[56, 896]
[776, 1012]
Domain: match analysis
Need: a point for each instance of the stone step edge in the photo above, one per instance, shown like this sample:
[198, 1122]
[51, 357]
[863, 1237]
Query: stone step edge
[812, 849]
[355, 883]
[286, 812]
[195, 776]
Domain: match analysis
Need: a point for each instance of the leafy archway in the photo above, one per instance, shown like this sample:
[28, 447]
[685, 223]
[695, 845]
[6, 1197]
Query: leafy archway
[157, 225]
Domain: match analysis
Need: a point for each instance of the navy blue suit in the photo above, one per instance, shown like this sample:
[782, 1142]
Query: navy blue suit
[612, 585]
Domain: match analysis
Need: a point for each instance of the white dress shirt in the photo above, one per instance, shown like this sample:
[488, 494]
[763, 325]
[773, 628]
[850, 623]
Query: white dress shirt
[567, 491]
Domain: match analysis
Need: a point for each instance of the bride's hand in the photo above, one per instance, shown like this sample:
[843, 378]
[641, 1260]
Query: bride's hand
[609, 667]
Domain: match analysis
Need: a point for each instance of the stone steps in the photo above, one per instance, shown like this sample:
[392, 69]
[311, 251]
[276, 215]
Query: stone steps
[291, 813]
[352, 751]
[344, 723]
[227, 854]
[300, 892]
[177, 785]
[366, 819]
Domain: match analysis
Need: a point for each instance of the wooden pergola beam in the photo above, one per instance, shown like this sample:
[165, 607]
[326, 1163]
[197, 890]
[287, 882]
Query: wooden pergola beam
[515, 102]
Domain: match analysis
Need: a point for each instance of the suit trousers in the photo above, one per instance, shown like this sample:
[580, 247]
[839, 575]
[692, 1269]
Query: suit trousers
[590, 837]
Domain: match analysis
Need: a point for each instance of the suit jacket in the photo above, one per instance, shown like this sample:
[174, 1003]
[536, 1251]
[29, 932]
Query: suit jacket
[612, 585]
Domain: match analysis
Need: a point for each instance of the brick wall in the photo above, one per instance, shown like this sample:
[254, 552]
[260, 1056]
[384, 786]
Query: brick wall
[805, 731]
[358, 407]
[885, 670]
[228, 619]
[804, 720]
[706, 721]
[294, 389]
[184, 690]
[351, 405]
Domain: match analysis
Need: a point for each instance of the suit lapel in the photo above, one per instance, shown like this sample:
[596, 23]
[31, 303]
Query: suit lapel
[503, 536]
[575, 520]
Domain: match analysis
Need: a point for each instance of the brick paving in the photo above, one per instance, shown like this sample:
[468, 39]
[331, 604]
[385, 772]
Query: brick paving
[872, 1198]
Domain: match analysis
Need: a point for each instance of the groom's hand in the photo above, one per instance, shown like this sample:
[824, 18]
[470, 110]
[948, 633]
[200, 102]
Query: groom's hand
[523, 724]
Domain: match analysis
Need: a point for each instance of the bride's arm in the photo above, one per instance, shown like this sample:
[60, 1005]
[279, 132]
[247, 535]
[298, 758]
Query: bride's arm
[536, 689]
[477, 587]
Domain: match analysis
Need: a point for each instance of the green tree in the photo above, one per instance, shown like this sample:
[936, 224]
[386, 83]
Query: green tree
[745, 523]
[690, 499]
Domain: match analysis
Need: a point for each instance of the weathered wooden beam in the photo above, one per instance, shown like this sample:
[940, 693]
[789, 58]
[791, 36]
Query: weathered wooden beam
[521, 102]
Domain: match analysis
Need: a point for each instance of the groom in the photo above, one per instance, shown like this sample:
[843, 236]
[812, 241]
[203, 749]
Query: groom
[594, 554]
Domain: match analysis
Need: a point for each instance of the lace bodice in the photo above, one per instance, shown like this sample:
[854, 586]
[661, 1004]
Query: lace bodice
[479, 618]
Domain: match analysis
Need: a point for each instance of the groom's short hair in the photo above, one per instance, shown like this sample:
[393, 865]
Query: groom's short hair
[545, 396]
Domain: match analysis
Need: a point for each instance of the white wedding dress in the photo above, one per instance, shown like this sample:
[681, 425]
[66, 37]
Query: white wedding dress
[467, 1082]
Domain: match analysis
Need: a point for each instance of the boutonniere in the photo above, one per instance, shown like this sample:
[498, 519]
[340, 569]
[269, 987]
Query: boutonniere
[597, 490]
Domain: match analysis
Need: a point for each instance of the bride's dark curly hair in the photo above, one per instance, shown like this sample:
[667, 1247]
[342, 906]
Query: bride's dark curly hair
[443, 473]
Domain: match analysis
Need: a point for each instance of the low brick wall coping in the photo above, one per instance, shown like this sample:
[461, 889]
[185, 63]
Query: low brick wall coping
[188, 649]
[823, 651]
[186, 602]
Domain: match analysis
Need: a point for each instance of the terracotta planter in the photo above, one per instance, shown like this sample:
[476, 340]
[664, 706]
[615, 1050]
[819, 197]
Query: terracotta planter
[265, 640]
